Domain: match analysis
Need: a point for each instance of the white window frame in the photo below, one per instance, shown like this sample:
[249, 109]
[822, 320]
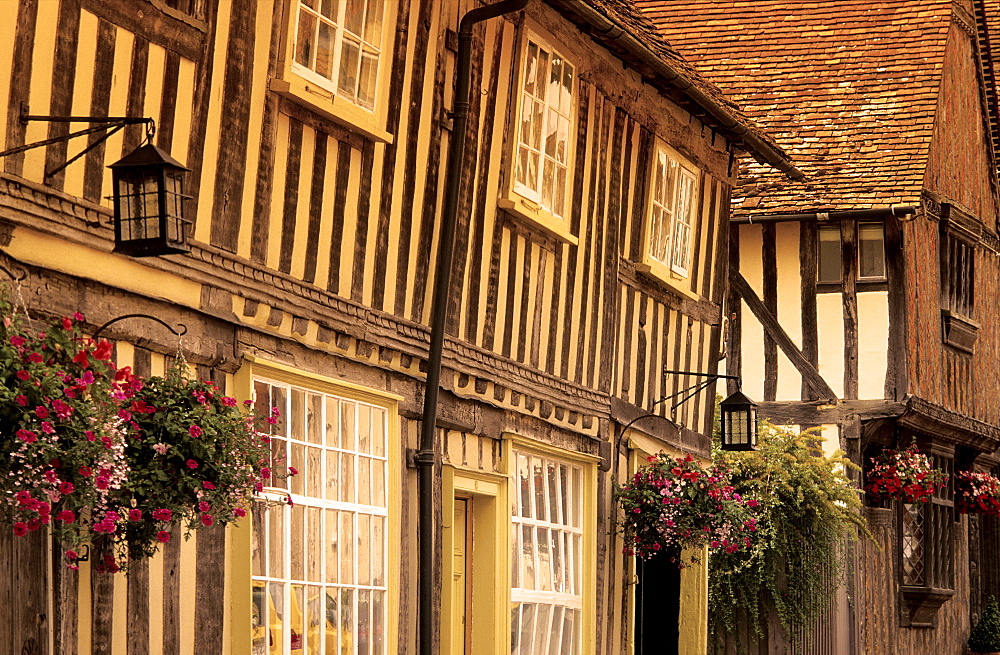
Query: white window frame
[572, 544]
[371, 45]
[672, 214]
[561, 110]
[360, 512]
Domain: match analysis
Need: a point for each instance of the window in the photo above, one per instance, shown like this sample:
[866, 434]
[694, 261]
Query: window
[957, 275]
[320, 563]
[338, 44]
[870, 253]
[926, 556]
[672, 211]
[547, 543]
[546, 115]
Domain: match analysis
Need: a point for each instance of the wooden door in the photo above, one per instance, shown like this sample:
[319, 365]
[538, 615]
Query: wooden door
[461, 579]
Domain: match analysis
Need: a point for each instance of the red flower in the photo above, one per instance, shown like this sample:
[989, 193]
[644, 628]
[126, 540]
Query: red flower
[77, 316]
[206, 520]
[27, 436]
[82, 359]
[20, 528]
[207, 485]
[35, 358]
[162, 514]
[240, 512]
[191, 464]
[66, 488]
[66, 516]
[103, 350]
[23, 375]
[67, 324]
[21, 400]
[41, 412]
[47, 427]
[17, 340]
[163, 536]
[292, 470]
[85, 471]
[203, 506]
[194, 431]
[135, 514]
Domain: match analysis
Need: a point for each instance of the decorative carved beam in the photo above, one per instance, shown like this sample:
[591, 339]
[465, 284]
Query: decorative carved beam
[774, 329]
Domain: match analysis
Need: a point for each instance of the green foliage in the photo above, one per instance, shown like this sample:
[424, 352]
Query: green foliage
[811, 513]
[985, 637]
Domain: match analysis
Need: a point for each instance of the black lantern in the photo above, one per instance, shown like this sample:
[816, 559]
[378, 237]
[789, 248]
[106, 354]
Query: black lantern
[739, 423]
[149, 200]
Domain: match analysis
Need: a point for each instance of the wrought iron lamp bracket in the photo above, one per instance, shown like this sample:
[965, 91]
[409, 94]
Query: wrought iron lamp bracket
[179, 331]
[97, 124]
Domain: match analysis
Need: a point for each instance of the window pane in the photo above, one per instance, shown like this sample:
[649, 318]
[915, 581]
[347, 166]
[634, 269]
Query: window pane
[354, 17]
[298, 483]
[324, 50]
[297, 543]
[530, 67]
[871, 252]
[295, 617]
[350, 56]
[373, 21]
[306, 36]
[314, 620]
[347, 413]
[378, 554]
[332, 546]
[364, 615]
[346, 544]
[364, 549]
[313, 472]
[276, 542]
[829, 266]
[330, 9]
[333, 631]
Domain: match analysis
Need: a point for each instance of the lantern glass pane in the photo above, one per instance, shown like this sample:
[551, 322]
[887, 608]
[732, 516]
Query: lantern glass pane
[174, 196]
[138, 207]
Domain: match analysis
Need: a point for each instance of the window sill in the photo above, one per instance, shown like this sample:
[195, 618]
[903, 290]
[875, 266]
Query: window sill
[958, 331]
[919, 605]
[537, 217]
[666, 278]
[331, 106]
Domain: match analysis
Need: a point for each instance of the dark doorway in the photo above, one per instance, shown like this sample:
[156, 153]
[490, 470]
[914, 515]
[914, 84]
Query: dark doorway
[657, 605]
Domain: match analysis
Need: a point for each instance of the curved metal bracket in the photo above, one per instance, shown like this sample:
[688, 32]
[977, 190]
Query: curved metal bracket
[16, 278]
[178, 332]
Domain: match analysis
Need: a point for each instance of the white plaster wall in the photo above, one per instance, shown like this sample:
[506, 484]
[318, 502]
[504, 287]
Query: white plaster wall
[873, 343]
[789, 306]
[830, 320]
[752, 331]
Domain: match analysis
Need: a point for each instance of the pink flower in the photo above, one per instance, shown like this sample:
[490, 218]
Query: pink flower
[161, 448]
[292, 470]
[101, 482]
[163, 536]
[206, 520]
[62, 410]
[27, 436]
[194, 431]
[90, 435]
[162, 514]
[66, 516]
[124, 415]
[228, 402]
[72, 554]
[240, 512]
[66, 488]
[47, 427]
[207, 485]
[21, 400]
[77, 316]
[191, 464]
[20, 528]
[204, 506]
[107, 442]
[265, 473]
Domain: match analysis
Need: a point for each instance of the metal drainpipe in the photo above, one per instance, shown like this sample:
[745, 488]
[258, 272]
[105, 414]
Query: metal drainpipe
[426, 456]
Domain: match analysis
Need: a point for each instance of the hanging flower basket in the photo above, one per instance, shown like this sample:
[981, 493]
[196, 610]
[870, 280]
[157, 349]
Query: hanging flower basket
[105, 458]
[977, 493]
[678, 503]
[905, 475]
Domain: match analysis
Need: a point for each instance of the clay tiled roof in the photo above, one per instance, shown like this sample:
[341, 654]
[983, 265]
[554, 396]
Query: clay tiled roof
[849, 89]
[694, 90]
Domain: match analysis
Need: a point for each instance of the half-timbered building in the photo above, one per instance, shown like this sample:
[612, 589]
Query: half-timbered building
[590, 257]
[861, 297]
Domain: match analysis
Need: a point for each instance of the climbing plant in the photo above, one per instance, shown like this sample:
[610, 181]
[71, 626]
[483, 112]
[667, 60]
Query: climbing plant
[810, 514]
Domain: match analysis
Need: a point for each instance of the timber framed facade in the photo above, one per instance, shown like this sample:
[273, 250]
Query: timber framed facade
[861, 298]
[314, 206]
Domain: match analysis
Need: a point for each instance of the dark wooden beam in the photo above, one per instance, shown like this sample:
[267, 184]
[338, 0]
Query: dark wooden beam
[822, 412]
[773, 328]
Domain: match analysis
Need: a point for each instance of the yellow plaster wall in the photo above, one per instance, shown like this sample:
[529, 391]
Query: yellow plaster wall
[789, 306]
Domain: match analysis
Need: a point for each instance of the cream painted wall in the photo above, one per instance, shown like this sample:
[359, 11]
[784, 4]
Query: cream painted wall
[752, 331]
[830, 319]
[873, 340]
[789, 306]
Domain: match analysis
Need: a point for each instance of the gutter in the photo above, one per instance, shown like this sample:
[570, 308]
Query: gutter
[899, 211]
[426, 456]
[611, 32]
